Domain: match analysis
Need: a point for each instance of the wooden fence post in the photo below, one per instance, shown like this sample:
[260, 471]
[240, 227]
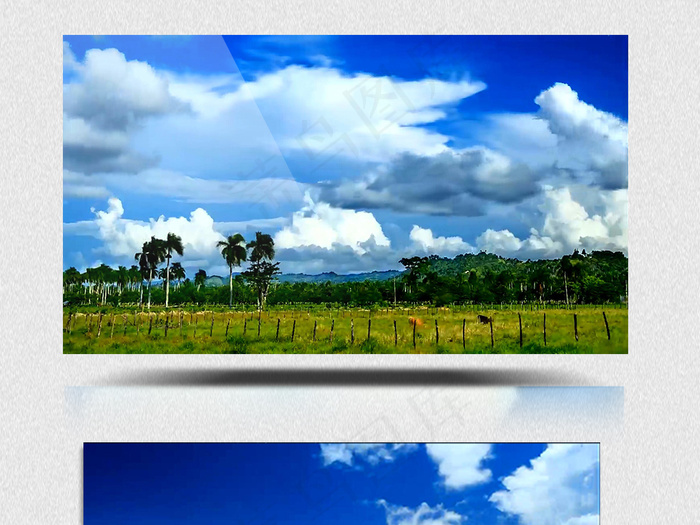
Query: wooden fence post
[294, 326]
[194, 336]
[180, 323]
[332, 327]
[520, 322]
[228, 322]
[165, 328]
[70, 314]
[314, 336]
[99, 325]
[126, 323]
[137, 320]
[575, 328]
[396, 335]
[437, 333]
[150, 323]
[464, 334]
[277, 335]
[607, 328]
[211, 329]
[111, 331]
[544, 328]
[245, 325]
[352, 331]
[414, 334]
[491, 327]
[369, 326]
[259, 322]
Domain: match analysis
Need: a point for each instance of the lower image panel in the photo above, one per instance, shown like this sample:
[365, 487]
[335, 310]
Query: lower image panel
[342, 483]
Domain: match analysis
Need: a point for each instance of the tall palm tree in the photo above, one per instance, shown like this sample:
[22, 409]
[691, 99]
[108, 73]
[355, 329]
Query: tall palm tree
[178, 273]
[200, 278]
[152, 253]
[134, 277]
[263, 247]
[173, 243]
[233, 250]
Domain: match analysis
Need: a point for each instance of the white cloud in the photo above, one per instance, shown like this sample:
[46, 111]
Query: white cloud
[108, 99]
[78, 185]
[372, 453]
[355, 115]
[124, 237]
[69, 60]
[319, 224]
[568, 225]
[560, 487]
[424, 241]
[114, 92]
[424, 514]
[589, 139]
[460, 465]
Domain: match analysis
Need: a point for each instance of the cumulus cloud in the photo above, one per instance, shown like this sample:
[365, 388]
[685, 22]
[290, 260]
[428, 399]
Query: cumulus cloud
[109, 98]
[560, 487]
[424, 514]
[124, 237]
[69, 60]
[321, 225]
[595, 220]
[589, 139]
[114, 92]
[450, 183]
[424, 240]
[373, 453]
[460, 465]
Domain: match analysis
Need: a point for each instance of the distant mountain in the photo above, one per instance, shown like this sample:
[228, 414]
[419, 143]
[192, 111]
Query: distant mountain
[215, 280]
[338, 278]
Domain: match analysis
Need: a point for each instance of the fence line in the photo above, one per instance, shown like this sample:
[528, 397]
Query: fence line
[174, 319]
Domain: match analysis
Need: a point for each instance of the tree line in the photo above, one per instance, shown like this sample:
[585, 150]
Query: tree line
[115, 286]
[580, 278]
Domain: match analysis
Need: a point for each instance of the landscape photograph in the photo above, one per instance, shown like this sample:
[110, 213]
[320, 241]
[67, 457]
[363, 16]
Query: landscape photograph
[341, 484]
[370, 194]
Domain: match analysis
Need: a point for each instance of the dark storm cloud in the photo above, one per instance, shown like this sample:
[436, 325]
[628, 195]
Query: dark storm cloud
[451, 183]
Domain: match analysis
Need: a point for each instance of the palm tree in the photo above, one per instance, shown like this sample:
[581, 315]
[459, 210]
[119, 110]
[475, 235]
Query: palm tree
[178, 273]
[152, 253]
[262, 271]
[134, 276]
[122, 278]
[233, 250]
[173, 243]
[263, 247]
[71, 277]
[200, 278]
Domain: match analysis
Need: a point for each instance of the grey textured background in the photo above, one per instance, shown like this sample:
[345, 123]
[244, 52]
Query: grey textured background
[646, 420]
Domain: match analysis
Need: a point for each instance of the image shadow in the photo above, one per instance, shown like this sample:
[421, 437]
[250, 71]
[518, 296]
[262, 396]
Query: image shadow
[337, 377]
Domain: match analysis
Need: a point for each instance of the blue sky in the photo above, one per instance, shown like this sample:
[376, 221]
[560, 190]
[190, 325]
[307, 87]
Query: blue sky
[351, 151]
[309, 484]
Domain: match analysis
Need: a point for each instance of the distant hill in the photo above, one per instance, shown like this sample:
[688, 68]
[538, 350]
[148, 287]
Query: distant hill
[338, 278]
[215, 280]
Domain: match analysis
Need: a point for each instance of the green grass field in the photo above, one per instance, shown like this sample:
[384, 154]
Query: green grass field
[190, 331]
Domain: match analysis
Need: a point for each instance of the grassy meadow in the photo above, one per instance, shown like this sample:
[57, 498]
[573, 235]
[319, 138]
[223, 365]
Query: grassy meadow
[125, 330]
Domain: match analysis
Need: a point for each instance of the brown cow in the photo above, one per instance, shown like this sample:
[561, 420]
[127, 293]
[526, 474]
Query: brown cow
[483, 319]
[415, 321]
